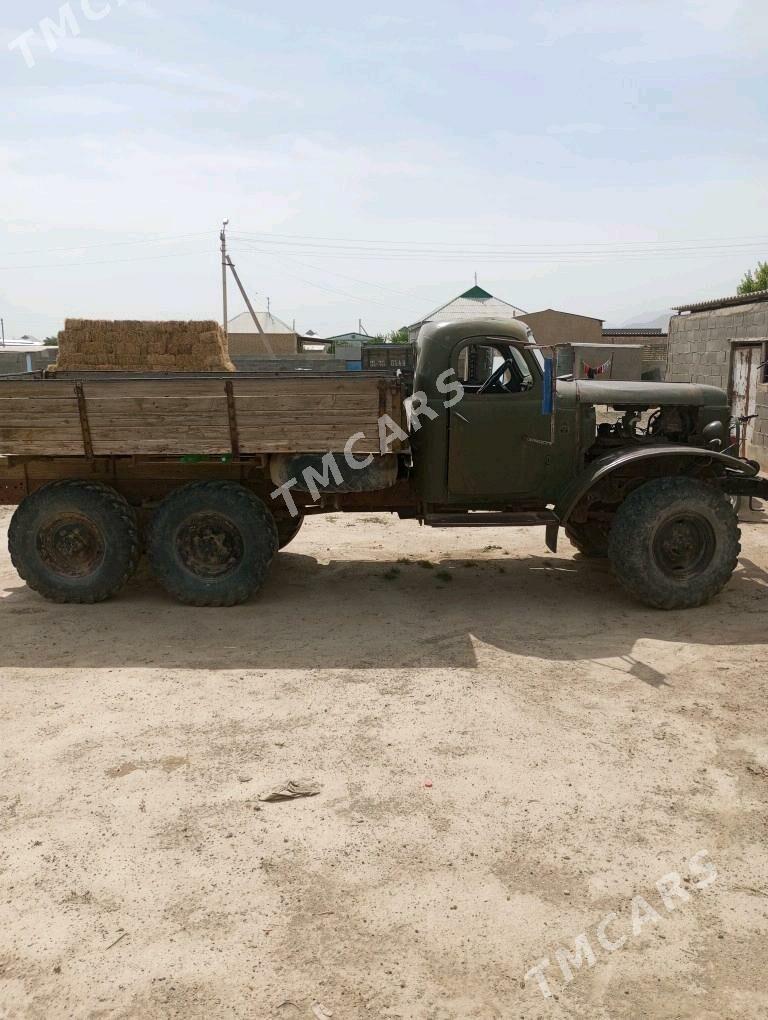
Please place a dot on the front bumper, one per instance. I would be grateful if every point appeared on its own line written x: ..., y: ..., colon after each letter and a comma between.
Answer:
x: 755, y: 487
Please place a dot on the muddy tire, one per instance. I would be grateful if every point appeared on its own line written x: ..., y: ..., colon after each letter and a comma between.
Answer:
x: 590, y: 540
x: 287, y: 529
x: 75, y: 541
x: 674, y: 543
x: 211, y: 544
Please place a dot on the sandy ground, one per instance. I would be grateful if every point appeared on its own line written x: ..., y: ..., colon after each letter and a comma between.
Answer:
x: 510, y: 751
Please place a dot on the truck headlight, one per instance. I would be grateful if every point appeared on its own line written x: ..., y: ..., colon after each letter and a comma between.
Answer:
x: 714, y: 434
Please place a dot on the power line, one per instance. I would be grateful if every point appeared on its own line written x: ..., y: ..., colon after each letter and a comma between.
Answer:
x: 353, y: 279
x: 320, y: 286
x: 576, y: 247
x: 560, y: 258
x: 108, y: 244
x: 109, y: 262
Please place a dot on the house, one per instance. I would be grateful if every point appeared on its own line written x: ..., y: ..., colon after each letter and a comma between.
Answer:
x: 269, y: 323
x: 349, y: 338
x: 275, y: 339
x: 655, y: 347
x: 475, y: 303
x: 16, y: 357
x: 724, y: 343
x: 551, y: 327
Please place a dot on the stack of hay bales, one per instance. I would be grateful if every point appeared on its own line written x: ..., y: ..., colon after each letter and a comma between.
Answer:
x: 87, y: 345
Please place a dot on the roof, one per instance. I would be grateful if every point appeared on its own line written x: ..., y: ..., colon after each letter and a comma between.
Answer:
x: 22, y: 341
x: 726, y: 302
x: 572, y: 315
x: 349, y: 337
x: 472, y: 304
x: 636, y: 331
x: 18, y: 348
x: 270, y: 323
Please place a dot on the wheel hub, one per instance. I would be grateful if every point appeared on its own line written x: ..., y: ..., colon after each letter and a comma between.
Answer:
x: 209, y: 545
x: 71, y: 545
x: 684, y: 545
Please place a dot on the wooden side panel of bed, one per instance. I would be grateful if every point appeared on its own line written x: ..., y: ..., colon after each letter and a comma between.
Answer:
x: 177, y: 415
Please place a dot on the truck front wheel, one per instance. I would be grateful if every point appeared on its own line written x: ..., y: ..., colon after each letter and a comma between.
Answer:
x: 211, y: 543
x: 674, y: 543
x: 74, y: 541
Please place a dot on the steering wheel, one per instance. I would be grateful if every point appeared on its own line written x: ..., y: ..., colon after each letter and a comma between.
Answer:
x: 494, y: 379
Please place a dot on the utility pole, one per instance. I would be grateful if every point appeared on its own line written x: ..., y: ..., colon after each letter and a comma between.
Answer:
x: 243, y: 291
x: 2, y: 329
x: 223, y: 237
x: 227, y: 263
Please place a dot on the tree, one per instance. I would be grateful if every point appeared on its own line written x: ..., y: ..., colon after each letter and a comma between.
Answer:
x: 754, y: 281
x: 397, y: 336
x: 51, y: 341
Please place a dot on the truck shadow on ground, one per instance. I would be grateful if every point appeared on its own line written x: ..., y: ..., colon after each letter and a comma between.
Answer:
x: 373, y: 615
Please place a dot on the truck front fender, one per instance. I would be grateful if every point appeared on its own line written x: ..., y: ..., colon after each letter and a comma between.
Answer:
x: 600, y: 469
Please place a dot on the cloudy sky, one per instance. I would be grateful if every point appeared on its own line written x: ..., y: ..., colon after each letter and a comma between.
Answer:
x: 600, y: 157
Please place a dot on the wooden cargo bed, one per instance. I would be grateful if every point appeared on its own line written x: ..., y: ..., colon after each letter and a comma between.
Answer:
x: 178, y: 415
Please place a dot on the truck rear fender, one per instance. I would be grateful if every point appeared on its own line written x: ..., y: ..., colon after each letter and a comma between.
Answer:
x: 600, y: 469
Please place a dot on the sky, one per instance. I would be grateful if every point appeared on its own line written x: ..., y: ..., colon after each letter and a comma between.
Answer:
x: 599, y: 157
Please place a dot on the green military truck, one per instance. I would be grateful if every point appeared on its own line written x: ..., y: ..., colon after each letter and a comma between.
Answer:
x: 211, y: 475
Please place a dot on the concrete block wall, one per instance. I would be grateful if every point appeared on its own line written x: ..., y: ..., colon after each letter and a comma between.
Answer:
x: 700, y: 352
x: 14, y: 362
x: 700, y: 343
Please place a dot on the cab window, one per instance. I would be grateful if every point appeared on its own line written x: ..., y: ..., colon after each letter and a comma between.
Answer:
x: 493, y: 368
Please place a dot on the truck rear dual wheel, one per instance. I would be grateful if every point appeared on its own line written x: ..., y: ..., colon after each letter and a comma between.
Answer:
x: 211, y: 543
x: 75, y: 541
x: 674, y: 543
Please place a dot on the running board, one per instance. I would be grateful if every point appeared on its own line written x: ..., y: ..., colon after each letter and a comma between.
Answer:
x: 525, y: 519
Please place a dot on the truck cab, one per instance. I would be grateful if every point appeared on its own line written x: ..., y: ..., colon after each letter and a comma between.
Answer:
x: 494, y: 446
x: 520, y: 437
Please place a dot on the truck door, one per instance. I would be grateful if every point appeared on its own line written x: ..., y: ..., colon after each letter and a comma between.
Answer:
x: 498, y: 435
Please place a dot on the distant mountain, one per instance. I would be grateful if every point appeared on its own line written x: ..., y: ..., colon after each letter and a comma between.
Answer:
x: 649, y: 320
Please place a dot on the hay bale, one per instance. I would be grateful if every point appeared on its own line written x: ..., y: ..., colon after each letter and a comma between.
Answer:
x: 142, y: 346
x: 163, y: 361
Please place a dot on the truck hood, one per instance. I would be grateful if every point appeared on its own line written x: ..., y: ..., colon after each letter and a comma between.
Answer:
x: 641, y: 394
